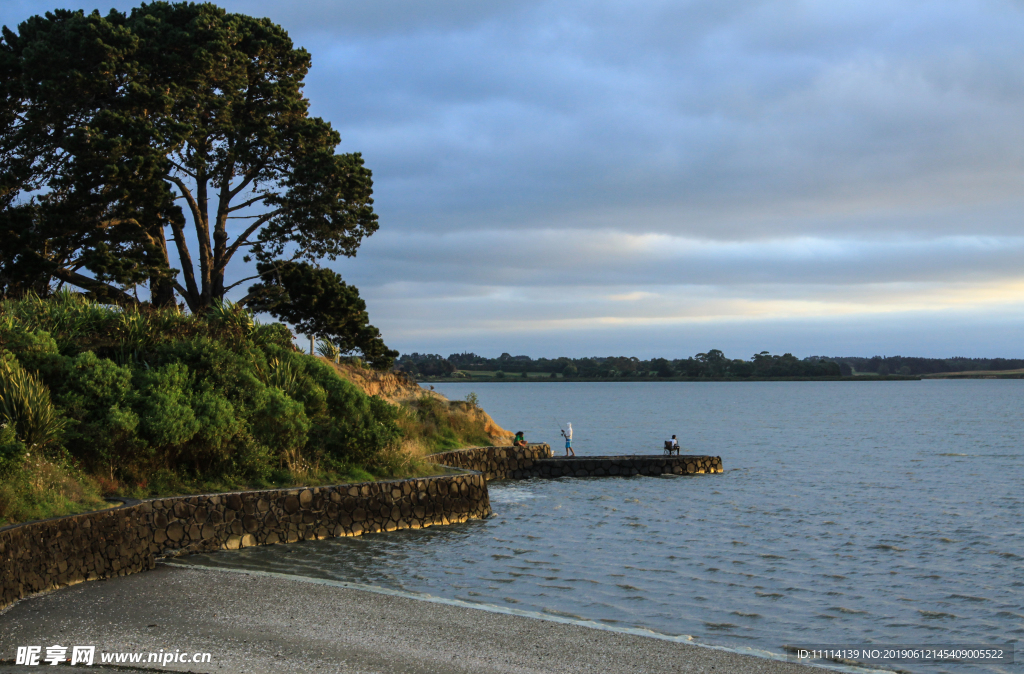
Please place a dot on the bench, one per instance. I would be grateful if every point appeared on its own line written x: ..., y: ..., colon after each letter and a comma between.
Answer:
x: 670, y: 448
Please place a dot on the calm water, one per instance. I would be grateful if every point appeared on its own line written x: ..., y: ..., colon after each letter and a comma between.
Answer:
x: 885, y: 512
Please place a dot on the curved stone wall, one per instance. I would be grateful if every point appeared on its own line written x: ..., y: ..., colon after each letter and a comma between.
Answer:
x: 496, y: 463
x: 44, y: 555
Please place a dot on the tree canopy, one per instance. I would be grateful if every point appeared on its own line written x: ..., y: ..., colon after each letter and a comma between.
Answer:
x: 177, y: 124
x: 319, y: 303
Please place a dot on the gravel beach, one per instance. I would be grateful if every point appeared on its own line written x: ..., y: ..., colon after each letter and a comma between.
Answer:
x: 254, y: 623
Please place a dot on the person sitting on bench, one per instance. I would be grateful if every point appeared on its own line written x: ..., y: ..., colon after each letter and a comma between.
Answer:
x: 672, y: 445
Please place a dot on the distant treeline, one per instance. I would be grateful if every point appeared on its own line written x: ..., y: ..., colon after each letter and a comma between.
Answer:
x: 712, y: 364
x: 903, y: 365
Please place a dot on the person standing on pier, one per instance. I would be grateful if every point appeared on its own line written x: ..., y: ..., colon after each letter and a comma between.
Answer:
x: 568, y: 440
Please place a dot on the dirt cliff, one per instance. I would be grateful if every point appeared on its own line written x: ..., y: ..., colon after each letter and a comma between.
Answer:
x: 399, y: 389
x: 394, y: 387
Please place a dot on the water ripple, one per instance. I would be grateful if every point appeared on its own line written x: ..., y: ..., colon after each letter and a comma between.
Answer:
x: 847, y: 514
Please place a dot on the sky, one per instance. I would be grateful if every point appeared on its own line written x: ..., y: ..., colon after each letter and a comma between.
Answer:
x: 663, y: 178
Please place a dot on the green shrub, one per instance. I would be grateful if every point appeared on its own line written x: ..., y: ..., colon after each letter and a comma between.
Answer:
x: 12, y: 451
x: 142, y: 402
x: 165, y: 416
x: 354, y: 428
x: 97, y: 397
x: 282, y: 424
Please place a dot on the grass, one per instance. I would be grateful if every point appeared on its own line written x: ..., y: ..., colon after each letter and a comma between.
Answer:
x: 489, y: 374
x: 431, y: 425
x: 977, y: 373
x: 43, y: 488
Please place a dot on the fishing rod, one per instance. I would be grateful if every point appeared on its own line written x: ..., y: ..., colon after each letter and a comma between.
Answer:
x: 555, y: 419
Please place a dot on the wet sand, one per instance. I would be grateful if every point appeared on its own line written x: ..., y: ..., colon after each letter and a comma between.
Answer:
x: 257, y: 624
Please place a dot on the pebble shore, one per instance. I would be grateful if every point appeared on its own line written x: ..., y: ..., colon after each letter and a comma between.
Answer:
x: 259, y: 624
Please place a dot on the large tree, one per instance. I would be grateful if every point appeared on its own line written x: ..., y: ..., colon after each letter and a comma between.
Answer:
x: 179, y: 124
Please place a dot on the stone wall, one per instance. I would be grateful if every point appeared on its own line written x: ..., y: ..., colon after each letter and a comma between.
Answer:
x: 44, y: 555
x: 605, y: 466
x: 496, y: 463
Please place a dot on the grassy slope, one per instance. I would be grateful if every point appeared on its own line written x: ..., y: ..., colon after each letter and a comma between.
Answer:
x: 67, y: 473
x: 430, y: 423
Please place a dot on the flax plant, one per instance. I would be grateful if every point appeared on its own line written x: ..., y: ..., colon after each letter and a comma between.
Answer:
x: 25, y: 405
x: 329, y: 350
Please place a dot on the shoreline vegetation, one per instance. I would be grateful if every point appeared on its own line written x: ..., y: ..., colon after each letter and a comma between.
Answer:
x: 103, y: 402
x: 710, y: 366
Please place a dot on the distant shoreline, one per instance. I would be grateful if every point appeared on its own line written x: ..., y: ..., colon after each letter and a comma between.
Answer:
x: 511, y: 379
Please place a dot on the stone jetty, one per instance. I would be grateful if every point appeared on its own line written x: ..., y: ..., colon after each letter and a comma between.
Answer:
x: 39, y: 556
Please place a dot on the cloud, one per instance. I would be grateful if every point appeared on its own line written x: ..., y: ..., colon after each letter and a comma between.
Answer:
x: 561, y: 167
x: 551, y: 258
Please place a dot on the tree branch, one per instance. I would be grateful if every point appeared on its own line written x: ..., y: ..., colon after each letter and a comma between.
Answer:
x: 276, y: 266
x: 250, y: 175
x: 192, y: 205
x: 181, y: 168
x: 92, y: 285
x: 241, y: 281
x: 248, y: 296
x: 192, y: 297
x: 181, y: 290
x: 247, y: 203
x: 249, y: 232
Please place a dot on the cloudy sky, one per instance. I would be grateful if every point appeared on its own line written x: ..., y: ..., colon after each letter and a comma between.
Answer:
x: 661, y: 178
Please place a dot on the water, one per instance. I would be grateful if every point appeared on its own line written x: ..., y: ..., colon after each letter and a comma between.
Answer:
x: 875, y: 512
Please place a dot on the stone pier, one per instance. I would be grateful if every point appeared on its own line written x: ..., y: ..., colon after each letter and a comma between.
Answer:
x: 537, y: 461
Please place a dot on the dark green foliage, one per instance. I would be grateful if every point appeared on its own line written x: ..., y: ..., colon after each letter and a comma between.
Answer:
x: 118, y: 131
x: 662, y: 367
x: 317, y: 302
x: 12, y: 450
x: 196, y: 399
x: 425, y: 364
x: 98, y: 395
x: 359, y: 435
